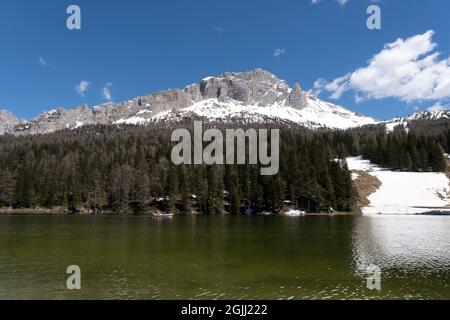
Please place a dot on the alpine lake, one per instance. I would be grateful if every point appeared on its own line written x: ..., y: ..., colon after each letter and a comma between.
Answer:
x: 225, y: 257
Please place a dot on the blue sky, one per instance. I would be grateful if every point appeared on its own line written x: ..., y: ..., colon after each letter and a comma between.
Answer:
x: 131, y: 48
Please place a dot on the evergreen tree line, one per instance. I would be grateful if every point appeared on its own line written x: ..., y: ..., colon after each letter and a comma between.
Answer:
x: 128, y: 170
x: 413, y: 150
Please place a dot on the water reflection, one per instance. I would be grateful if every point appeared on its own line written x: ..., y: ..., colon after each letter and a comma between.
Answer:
x: 408, y: 249
x: 224, y: 257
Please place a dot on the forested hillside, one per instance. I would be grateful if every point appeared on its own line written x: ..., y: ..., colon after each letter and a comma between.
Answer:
x: 127, y: 169
x: 419, y: 148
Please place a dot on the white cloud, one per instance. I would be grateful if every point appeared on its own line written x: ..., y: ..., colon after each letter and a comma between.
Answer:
x: 106, y: 92
x: 358, y: 98
x: 42, y: 62
x: 438, y: 107
x: 279, y: 52
x: 82, y: 87
x: 337, y: 87
x: 341, y: 2
x: 408, y: 69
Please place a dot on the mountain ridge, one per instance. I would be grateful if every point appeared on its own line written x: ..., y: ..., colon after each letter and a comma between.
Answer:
x: 424, y: 115
x: 251, y: 96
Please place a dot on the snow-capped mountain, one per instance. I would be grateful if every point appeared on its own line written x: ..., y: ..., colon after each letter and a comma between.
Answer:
x: 425, y: 115
x: 417, y: 116
x: 254, y: 96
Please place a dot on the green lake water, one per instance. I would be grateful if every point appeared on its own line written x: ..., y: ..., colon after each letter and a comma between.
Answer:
x: 224, y: 257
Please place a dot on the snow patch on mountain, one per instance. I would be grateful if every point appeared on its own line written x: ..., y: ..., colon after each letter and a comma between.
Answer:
x: 404, y: 192
x: 317, y: 113
x: 132, y: 120
x: 417, y: 116
x: 390, y: 126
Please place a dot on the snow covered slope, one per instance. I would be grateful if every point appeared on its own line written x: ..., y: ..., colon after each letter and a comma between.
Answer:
x: 426, y: 115
x: 404, y: 192
x: 418, y: 116
x: 316, y: 114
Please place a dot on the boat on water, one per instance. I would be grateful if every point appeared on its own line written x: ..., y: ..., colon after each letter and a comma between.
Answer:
x: 162, y: 215
x: 295, y: 213
x: 265, y: 213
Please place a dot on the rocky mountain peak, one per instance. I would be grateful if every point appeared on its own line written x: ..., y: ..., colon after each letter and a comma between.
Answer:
x: 257, y: 87
x: 297, y: 98
x: 6, y: 116
x: 7, y: 119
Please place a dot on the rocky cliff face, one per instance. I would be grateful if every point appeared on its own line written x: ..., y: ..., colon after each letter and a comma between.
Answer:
x: 55, y: 120
x: 7, y: 120
x: 255, y: 95
x: 259, y: 88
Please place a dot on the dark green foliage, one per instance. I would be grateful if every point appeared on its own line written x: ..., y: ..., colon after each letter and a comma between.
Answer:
x: 128, y: 169
x: 416, y: 150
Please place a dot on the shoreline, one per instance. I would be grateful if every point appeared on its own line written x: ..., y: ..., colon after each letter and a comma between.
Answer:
x: 355, y: 213
x: 65, y: 212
